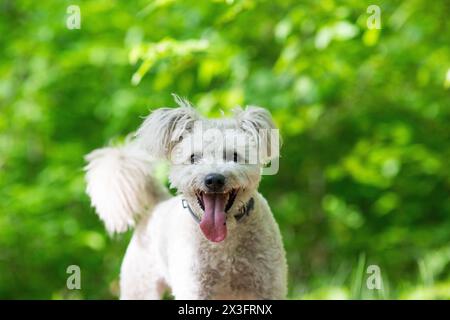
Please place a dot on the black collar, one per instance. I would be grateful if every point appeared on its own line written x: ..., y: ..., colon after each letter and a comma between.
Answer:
x: 243, y: 211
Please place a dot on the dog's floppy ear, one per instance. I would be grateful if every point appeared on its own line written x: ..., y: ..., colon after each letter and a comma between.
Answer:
x: 258, y: 123
x: 164, y: 127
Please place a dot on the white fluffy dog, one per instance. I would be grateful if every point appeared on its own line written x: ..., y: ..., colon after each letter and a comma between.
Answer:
x: 218, y: 238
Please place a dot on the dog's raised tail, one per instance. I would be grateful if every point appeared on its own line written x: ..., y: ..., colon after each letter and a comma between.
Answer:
x: 121, y: 185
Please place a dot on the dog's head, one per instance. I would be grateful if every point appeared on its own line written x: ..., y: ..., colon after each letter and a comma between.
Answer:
x: 215, y: 163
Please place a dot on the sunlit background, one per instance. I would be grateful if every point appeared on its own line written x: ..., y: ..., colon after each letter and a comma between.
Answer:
x: 365, y: 115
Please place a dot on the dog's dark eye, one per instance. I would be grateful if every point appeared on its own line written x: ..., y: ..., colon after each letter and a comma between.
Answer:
x: 235, y: 157
x: 195, y: 157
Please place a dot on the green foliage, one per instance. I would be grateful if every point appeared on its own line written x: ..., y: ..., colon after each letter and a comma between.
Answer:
x: 364, y: 115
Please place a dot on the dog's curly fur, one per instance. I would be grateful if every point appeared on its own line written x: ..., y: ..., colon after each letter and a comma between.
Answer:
x: 168, y: 249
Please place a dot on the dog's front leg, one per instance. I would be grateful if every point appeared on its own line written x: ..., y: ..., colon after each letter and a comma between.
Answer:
x: 189, y: 288
x: 139, y: 276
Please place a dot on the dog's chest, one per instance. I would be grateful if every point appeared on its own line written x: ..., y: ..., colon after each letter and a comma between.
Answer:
x: 230, y: 272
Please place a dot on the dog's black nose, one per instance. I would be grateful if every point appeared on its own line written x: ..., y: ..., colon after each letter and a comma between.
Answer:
x: 214, y: 181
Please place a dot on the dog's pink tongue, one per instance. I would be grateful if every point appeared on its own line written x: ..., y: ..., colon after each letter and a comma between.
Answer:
x: 213, y: 221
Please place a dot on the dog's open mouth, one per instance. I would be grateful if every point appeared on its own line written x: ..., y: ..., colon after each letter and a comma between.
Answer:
x: 231, y: 196
x: 215, y: 205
